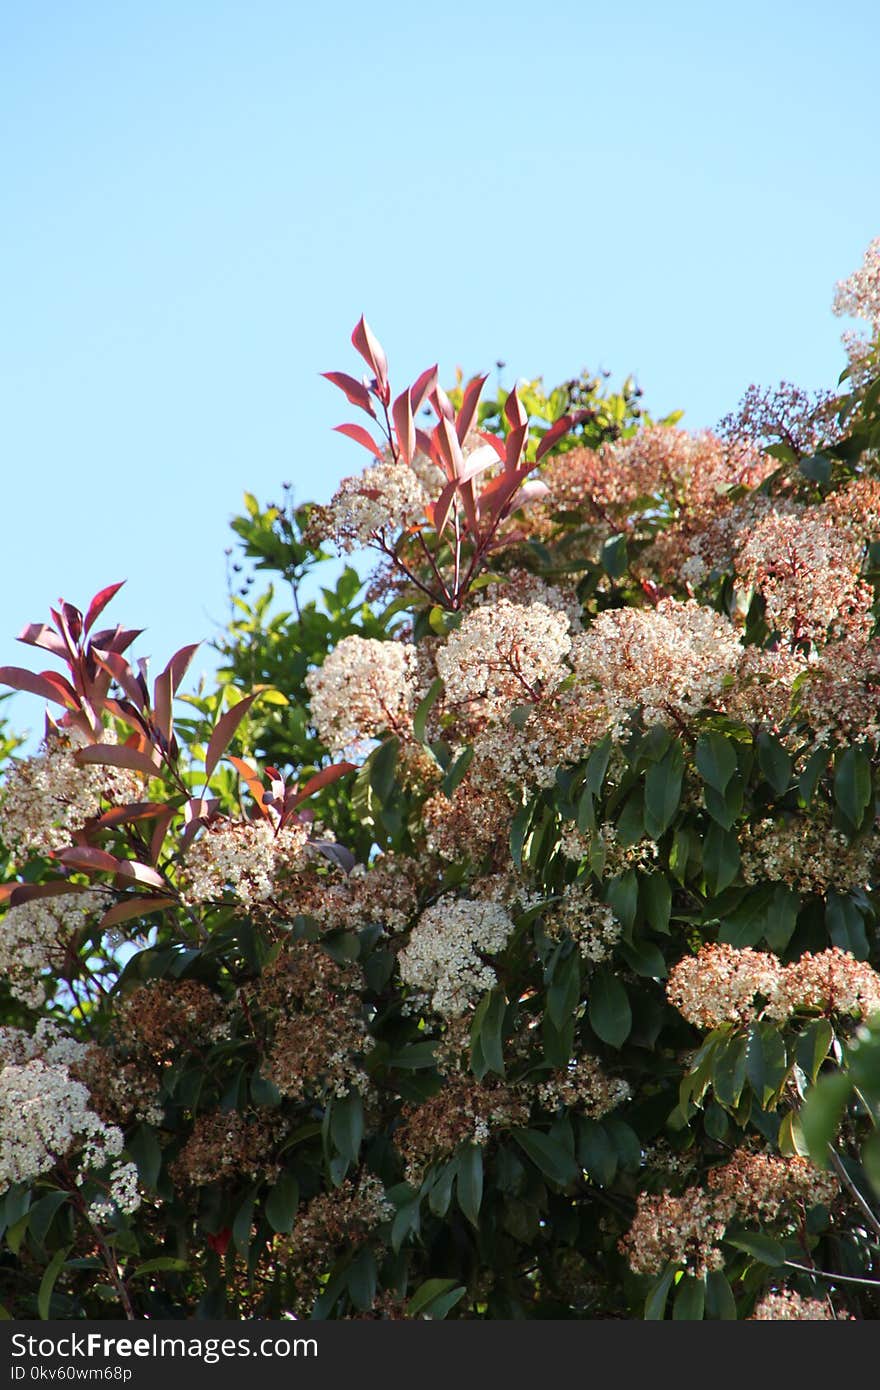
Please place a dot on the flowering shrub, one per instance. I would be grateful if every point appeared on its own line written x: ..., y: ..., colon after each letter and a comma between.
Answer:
x: 526, y: 967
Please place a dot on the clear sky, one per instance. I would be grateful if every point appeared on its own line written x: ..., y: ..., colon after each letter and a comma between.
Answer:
x: 199, y: 198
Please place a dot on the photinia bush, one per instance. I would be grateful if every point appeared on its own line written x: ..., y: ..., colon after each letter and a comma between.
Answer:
x: 521, y: 963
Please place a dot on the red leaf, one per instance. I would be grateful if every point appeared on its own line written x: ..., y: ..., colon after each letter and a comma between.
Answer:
x: 126, y: 815
x: 179, y: 664
x: 439, y: 512
x: 252, y: 780
x: 514, y: 411
x: 224, y: 730
x: 48, y: 684
x: 496, y: 443
x: 360, y: 436
x: 115, y: 639
x: 324, y: 778
x: 563, y: 426
x: 99, y: 603
x: 112, y: 755
x: 423, y: 386
x: 354, y: 390
x: 424, y: 442
x: 141, y: 873
x: 220, y: 1242
x: 371, y: 351
x: 449, y: 447
x: 160, y: 830
x: 442, y: 404
x: 477, y: 461
x: 162, y: 695
x: 404, y: 424
x: 133, y: 907
x: 26, y: 892
x: 42, y: 635
x: 134, y: 686
x: 87, y: 857
x: 514, y: 445
x: 469, y: 405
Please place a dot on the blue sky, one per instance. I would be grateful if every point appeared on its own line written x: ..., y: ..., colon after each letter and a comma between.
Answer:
x: 199, y: 199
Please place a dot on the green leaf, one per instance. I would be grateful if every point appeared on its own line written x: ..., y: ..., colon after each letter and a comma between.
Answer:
x: 716, y: 760
x: 456, y: 772
x: 406, y: 1222
x: 362, y: 1278
x: 434, y: 1298
x: 663, y: 791
x: 441, y: 1192
x: 147, y: 1154
x: 809, y: 778
x: 813, y: 1047
x: 845, y: 924
x: 553, y: 1159
x: 852, y: 784
x: 690, y: 1300
x: 609, y: 1009
x: 487, y: 1052
x: 622, y: 896
x: 720, y: 858
x: 565, y: 988
x: 281, y: 1204
x: 597, y: 766
x: 782, y: 917
x: 764, y: 1248
x: 347, y: 1125
x: 775, y: 763
x: 469, y: 1187
x: 644, y: 958
x: 822, y: 1113
x: 165, y: 1263
x: 382, y: 763
x: 655, y: 1303
x: 596, y: 1152
x: 414, y: 1057
x: 264, y: 1091
x: 42, y: 1214
x: 47, y: 1283
x: 519, y: 830
x: 729, y: 1072
x: 614, y: 556
x: 241, y: 1225
x: 420, y: 718
x: 656, y: 897
x: 720, y: 1302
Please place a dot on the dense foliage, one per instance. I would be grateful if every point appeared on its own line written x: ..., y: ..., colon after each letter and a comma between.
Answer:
x: 523, y: 961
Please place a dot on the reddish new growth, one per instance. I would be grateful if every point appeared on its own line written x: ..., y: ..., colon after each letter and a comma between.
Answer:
x: 433, y: 504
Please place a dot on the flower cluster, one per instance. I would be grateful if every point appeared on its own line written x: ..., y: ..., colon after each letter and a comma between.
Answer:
x: 670, y: 662
x: 785, y: 1305
x: 504, y: 654
x: 807, y: 570
x: 448, y: 953
x: 590, y: 923
x: 49, y: 796
x: 688, y: 1229
x: 36, y: 937
x: 384, y: 500
x: 46, y: 1116
x: 249, y: 860
x: 807, y: 853
x: 722, y: 984
x: 585, y: 1086
x: 464, y: 1111
x: 363, y: 689
x: 859, y: 297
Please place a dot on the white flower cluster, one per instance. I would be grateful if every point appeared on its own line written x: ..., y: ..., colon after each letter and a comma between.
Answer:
x: 445, y: 954
x: 123, y: 1194
x: 47, y: 1042
x: 48, y: 796
x: 786, y: 1305
x: 388, y: 497
x: 248, y: 859
x: 364, y: 688
x: 504, y: 653
x: 35, y: 937
x: 585, y: 1085
x: 723, y: 984
x: 590, y: 923
x: 45, y: 1116
x: 670, y: 661
x: 859, y: 297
